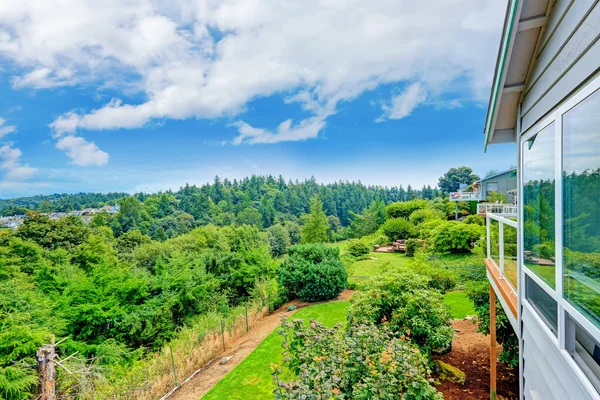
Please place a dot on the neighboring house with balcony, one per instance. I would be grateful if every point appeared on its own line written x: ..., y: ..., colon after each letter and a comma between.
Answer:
x: 502, y: 184
x: 543, y: 262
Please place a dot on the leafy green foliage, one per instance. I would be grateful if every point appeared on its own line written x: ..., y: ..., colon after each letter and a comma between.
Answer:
x: 313, y: 272
x: 366, y: 362
x: 316, y: 227
x: 358, y: 248
x: 398, y: 228
x: 53, y: 234
x: 475, y: 220
x: 451, y: 180
x: 426, y: 214
x: 404, y: 301
x: 412, y: 245
x: 405, y: 208
x: 455, y: 237
x: 279, y: 240
x: 368, y: 222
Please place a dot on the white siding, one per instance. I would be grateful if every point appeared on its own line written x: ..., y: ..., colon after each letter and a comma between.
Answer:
x: 546, y: 374
x: 569, y: 54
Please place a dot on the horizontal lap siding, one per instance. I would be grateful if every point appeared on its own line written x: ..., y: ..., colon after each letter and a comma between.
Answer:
x: 569, y: 55
x: 546, y: 373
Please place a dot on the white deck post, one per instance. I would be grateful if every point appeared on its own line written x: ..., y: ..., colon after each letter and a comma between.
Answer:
x: 501, y: 246
x: 488, y: 235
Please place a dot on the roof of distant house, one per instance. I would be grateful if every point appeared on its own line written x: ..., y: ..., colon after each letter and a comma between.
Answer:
x: 495, y: 175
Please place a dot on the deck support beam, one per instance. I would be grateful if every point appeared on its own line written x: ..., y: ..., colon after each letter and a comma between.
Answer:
x: 492, y: 343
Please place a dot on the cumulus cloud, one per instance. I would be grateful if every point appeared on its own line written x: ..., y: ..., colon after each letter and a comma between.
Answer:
x: 82, y: 152
x: 209, y: 59
x: 10, y: 163
x: 6, y: 129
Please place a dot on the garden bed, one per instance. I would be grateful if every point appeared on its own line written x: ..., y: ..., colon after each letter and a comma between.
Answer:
x: 471, y: 354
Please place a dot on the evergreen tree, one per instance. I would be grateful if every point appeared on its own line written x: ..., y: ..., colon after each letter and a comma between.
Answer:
x: 317, y: 225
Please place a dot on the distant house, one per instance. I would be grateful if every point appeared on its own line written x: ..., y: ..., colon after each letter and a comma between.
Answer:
x: 504, y: 182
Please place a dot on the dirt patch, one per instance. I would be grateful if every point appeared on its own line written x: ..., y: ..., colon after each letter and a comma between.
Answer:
x: 200, y: 384
x: 471, y: 353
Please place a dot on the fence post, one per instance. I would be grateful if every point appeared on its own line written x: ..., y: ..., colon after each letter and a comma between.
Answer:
x: 223, y: 333
x: 173, y: 366
x: 501, y: 246
x: 489, y: 235
x: 47, y: 371
x: 246, y: 317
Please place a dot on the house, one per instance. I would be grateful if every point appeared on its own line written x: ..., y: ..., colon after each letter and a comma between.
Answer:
x: 546, y: 98
x: 499, y: 183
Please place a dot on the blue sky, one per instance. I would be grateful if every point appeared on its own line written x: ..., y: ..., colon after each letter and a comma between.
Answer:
x: 141, y: 95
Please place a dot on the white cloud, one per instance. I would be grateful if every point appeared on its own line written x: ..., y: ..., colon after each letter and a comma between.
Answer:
x: 6, y: 129
x: 286, y: 131
x: 82, y: 152
x: 10, y: 163
x: 209, y: 59
x: 405, y: 103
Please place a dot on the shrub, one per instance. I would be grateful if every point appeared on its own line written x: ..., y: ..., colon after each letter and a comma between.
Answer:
x: 404, y: 300
x: 403, y: 209
x: 426, y: 228
x: 313, y: 273
x: 367, y: 362
x: 378, y: 238
x: 455, y: 237
x: 475, y: 220
x: 426, y: 214
x: 412, y: 245
x: 358, y: 248
x: 279, y: 240
x: 397, y: 228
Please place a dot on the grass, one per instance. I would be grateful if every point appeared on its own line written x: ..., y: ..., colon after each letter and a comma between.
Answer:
x: 376, y: 262
x: 460, y: 304
x: 252, y: 378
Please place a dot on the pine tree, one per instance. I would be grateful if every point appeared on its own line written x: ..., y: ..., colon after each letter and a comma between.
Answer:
x: 315, y: 229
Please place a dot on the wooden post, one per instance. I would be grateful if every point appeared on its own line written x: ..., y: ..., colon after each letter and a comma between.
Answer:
x: 492, y: 343
x: 173, y: 366
x: 223, y: 333
x: 47, y: 372
x: 247, y: 318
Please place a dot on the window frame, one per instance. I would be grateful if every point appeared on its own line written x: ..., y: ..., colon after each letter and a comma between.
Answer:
x: 564, y: 308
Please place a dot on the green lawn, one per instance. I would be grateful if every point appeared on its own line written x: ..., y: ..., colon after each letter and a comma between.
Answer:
x: 252, y: 378
x: 460, y: 304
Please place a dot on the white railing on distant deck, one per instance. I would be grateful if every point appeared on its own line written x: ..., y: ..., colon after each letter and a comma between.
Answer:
x: 465, y: 196
x: 503, y: 256
x: 497, y: 208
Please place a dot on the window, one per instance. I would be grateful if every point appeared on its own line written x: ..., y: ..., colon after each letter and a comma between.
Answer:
x: 581, y: 207
x: 538, y: 204
x: 542, y: 302
x: 491, y: 189
x: 584, y: 350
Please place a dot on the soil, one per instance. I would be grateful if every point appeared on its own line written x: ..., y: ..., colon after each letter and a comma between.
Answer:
x: 203, y: 381
x: 471, y: 354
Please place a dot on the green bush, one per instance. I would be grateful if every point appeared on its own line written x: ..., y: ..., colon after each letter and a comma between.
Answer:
x: 313, y: 272
x: 279, y: 240
x: 426, y: 228
x: 397, y: 228
x: 474, y: 219
x: 403, y: 209
x: 358, y: 248
x: 366, y: 362
x: 426, y: 214
x: 412, y: 245
x: 377, y: 238
x: 404, y: 300
x: 455, y: 237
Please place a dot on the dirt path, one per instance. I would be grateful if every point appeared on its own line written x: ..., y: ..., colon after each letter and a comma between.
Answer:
x: 471, y: 353
x: 239, y: 350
